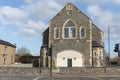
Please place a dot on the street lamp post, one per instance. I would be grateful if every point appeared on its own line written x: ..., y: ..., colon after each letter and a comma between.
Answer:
x: 109, y: 44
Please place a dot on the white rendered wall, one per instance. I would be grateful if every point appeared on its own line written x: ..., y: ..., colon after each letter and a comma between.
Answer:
x: 62, y: 58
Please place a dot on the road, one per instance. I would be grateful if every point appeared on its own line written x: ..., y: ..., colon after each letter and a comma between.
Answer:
x: 72, y: 78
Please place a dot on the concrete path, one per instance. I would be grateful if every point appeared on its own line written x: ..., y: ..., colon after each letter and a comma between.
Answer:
x: 16, y: 65
x: 59, y: 75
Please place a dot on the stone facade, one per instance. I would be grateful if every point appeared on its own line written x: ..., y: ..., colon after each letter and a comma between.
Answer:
x: 7, y: 52
x: 78, y: 50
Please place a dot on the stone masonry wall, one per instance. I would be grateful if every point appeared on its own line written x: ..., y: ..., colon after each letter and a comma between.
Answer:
x: 23, y: 70
x: 36, y: 71
x: 97, y: 35
x: 88, y: 70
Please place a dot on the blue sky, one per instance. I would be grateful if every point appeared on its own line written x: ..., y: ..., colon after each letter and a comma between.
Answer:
x: 23, y: 21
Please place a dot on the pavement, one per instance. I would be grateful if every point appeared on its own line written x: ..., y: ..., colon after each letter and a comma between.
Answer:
x: 60, y: 77
x: 16, y: 65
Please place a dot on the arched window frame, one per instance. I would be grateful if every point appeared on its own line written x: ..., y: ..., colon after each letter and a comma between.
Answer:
x: 55, y: 33
x: 82, y: 37
x: 63, y: 32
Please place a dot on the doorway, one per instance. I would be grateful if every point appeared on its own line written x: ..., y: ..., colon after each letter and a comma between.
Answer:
x: 69, y: 62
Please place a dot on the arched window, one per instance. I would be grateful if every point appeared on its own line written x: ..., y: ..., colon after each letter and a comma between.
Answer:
x: 69, y: 30
x: 82, y: 32
x: 56, y: 33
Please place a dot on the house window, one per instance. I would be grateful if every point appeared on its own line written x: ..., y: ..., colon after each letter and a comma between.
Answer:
x: 5, y: 49
x: 82, y: 32
x: 66, y: 32
x: 69, y: 30
x: 56, y: 33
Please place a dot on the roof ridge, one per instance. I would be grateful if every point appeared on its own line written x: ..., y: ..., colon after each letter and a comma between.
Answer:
x: 6, y: 43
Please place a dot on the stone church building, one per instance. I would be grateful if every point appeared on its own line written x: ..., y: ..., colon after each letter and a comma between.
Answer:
x: 72, y: 40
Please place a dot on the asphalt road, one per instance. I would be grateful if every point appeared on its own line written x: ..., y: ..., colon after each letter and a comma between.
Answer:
x: 72, y: 78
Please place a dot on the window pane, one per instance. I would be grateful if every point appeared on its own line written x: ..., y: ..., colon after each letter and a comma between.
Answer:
x: 57, y: 33
x: 72, y: 32
x: 70, y: 23
x: 66, y: 32
x: 82, y: 32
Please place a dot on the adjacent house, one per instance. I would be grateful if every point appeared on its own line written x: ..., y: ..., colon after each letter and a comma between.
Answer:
x: 7, y: 52
x: 72, y: 40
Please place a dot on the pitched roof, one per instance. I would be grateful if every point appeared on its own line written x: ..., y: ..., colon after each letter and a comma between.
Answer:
x: 7, y: 43
x: 45, y: 30
x: 96, y: 44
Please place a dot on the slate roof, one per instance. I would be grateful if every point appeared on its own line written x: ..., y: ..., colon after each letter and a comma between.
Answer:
x: 96, y: 44
x: 7, y: 43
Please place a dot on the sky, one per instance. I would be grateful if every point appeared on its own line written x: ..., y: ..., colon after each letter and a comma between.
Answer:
x: 23, y: 21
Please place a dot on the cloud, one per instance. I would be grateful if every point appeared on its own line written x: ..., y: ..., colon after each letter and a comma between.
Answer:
x: 63, y: 2
x: 105, y: 19
x: 31, y: 18
x: 95, y: 1
x: 100, y: 2
x: 27, y: 31
x: 29, y: 1
x: 31, y: 28
x: 43, y: 9
x: 116, y: 1
x: 9, y: 15
x: 13, y: 13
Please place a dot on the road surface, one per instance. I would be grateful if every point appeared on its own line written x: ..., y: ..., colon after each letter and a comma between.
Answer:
x: 59, y: 78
